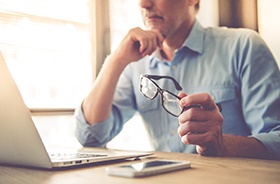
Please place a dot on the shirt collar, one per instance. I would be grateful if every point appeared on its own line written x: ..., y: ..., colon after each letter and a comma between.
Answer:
x: 195, y: 38
x: 194, y: 42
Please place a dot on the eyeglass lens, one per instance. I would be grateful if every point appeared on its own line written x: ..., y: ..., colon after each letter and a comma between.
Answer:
x: 171, y: 103
x: 169, y: 100
x: 148, y: 88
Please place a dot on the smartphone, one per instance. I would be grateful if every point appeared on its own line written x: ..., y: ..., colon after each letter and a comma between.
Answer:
x: 147, y: 168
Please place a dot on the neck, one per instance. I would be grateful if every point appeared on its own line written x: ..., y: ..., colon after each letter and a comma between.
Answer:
x: 175, y: 41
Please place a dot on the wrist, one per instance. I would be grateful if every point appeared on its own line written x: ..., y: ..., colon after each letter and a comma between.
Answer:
x: 114, y: 63
x: 241, y: 146
x: 119, y: 58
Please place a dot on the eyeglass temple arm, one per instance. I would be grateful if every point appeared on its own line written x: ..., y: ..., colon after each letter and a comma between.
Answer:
x: 157, y: 77
x: 198, y: 106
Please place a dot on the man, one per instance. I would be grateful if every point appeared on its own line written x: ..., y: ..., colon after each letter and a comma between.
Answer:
x: 232, y: 67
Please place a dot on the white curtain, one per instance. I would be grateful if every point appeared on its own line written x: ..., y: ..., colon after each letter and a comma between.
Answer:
x: 269, y: 25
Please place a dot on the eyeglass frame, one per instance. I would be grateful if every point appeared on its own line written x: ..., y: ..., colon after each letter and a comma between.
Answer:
x: 160, y: 90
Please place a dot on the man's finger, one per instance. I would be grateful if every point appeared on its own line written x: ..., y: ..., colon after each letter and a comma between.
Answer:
x: 205, y: 100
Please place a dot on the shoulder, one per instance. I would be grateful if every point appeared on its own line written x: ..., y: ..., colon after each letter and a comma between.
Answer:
x: 226, y: 31
x: 238, y: 38
x: 233, y: 34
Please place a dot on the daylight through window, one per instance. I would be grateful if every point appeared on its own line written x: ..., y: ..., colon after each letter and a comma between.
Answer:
x: 46, y: 44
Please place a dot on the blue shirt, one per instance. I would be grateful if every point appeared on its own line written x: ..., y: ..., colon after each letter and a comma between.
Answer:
x: 233, y: 65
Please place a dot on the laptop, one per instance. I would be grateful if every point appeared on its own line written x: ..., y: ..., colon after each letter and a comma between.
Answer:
x: 21, y: 144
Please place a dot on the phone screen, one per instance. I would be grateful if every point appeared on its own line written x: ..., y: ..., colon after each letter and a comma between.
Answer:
x: 147, y: 168
x: 142, y: 166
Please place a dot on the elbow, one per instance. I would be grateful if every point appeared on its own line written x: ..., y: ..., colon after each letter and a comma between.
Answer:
x: 86, y: 140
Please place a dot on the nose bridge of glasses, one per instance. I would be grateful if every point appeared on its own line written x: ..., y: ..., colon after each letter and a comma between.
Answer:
x: 171, y: 97
x: 159, y: 89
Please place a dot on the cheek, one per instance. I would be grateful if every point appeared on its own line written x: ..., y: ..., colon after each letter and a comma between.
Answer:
x: 171, y: 24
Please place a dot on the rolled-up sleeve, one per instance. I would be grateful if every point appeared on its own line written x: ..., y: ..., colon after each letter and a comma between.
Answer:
x: 272, y: 143
x: 261, y: 94
x: 92, y: 135
x: 122, y: 110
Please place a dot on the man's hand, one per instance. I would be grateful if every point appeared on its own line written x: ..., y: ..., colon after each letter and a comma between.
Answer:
x: 137, y: 44
x: 201, y: 126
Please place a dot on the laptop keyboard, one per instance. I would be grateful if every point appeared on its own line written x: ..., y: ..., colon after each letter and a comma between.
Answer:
x: 63, y: 156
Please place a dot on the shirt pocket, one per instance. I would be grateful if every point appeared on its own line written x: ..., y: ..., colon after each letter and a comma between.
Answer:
x: 146, y: 105
x: 221, y: 93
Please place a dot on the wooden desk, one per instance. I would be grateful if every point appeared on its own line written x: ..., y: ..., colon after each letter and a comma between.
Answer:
x: 205, y: 170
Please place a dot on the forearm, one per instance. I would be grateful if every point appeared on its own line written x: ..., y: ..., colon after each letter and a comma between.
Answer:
x: 135, y: 45
x: 97, y: 105
x: 240, y: 146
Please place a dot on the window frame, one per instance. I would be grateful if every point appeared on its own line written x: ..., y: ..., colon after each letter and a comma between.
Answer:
x: 100, y: 46
x: 99, y: 41
x: 100, y: 33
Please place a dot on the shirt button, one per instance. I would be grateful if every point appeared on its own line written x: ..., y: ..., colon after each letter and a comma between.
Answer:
x: 174, y: 132
x: 174, y: 67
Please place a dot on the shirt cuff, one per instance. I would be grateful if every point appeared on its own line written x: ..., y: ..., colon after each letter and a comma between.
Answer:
x: 271, y: 142
x: 92, y: 135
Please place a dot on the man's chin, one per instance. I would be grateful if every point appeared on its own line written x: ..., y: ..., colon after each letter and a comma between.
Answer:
x: 156, y: 28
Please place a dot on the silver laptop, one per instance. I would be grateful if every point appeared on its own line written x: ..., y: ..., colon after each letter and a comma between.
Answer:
x: 21, y: 144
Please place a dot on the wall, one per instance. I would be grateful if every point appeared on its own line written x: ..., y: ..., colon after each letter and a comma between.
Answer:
x: 269, y: 25
x: 208, y: 14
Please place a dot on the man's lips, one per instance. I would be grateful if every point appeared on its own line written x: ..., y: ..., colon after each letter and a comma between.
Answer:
x: 153, y: 17
x: 150, y: 15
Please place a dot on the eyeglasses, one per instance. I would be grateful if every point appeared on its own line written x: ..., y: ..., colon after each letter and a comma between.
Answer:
x: 170, y: 101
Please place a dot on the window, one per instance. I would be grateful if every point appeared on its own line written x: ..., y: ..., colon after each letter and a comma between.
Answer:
x: 46, y: 44
x: 124, y: 15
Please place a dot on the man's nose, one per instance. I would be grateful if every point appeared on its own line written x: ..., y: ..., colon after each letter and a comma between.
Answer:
x: 146, y: 4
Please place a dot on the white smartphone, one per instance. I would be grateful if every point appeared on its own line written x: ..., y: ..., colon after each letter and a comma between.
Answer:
x: 147, y: 168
